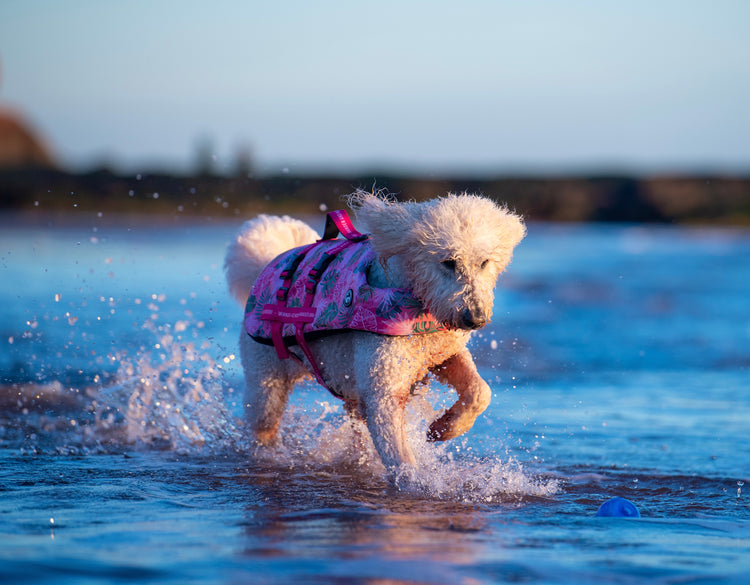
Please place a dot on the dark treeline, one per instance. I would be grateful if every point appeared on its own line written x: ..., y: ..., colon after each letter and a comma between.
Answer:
x: 706, y: 199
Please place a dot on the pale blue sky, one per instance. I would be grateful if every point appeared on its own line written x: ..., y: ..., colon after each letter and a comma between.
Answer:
x: 471, y: 85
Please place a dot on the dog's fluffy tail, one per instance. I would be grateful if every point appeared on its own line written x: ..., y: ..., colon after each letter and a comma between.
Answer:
x: 258, y: 242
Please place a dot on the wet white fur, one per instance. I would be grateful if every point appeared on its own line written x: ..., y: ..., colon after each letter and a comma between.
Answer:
x: 376, y: 373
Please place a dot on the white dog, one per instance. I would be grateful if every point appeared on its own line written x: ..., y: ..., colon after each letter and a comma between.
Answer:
x: 448, y: 252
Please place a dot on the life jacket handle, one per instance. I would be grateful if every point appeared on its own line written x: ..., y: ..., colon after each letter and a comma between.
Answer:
x: 338, y: 222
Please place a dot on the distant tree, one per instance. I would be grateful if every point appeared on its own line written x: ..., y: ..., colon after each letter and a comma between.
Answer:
x: 243, y: 162
x: 205, y: 158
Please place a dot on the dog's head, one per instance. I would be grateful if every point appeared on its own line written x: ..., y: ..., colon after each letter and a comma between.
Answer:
x: 451, y: 250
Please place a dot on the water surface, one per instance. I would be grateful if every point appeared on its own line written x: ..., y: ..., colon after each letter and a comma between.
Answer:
x: 619, y: 358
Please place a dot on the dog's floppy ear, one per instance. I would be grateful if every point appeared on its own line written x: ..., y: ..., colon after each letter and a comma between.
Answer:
x: 512, y: 228
x: 385, y: 219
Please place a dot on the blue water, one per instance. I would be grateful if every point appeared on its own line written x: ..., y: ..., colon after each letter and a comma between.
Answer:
x: 619, y: 358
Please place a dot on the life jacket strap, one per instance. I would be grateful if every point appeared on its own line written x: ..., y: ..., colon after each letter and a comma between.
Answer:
x: 337, y: 222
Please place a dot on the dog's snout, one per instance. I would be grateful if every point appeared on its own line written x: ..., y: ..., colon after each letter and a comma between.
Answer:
x: 473, y: 319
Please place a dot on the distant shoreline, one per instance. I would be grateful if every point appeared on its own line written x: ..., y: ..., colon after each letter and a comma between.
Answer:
x: 712, y: 200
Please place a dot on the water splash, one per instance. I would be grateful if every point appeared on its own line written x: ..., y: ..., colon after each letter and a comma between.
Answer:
x: 171, y: 399
x: 172, y: 394
x: 452, y: 471
x: 320, y: 437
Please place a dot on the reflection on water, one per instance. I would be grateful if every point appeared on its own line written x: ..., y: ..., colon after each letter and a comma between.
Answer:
x: 358, y: 519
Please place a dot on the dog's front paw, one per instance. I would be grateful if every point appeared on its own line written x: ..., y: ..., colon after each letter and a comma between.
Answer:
x: 435, y: 433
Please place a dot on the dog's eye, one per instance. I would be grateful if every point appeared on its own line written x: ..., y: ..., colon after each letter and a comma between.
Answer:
x: 449, y: 264
x: 484, y: 264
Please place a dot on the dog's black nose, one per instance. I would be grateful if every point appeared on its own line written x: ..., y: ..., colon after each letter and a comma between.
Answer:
x: 473, y: 319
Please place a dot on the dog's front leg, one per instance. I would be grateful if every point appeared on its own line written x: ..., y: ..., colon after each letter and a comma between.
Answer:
x: 474, y: 396
x: 383, y: 410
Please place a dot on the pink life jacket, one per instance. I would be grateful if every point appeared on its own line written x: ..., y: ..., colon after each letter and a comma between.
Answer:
x: 322, y: 289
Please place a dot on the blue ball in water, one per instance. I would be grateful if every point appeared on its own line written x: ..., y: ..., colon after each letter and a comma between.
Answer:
x: 618, y: 508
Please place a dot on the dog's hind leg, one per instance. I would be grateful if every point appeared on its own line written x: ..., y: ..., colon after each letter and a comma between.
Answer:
x: 353, y: 410
x: 474, y: 396
x: 355, y: 416
x: 265, y: 402
x: 268, y: 383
